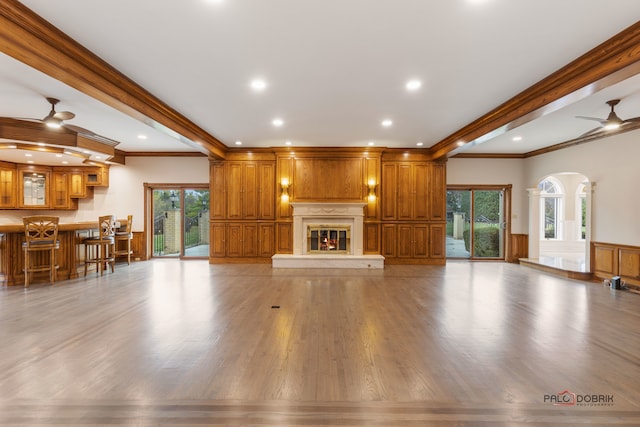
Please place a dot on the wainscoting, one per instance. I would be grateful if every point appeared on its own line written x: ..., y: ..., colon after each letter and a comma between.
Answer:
x: 610, y: 260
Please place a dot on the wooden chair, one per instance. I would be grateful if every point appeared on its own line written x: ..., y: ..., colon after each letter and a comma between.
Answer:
x: 41, y: 235
x: 100, y: 249
x: 124, y: 234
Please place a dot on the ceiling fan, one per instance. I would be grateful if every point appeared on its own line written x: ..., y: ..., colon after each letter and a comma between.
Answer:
x: 612, y: 122
x: 55, y: 119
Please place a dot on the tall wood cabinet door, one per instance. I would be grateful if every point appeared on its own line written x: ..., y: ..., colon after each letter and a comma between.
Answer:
x: 249, y: 191
x: 405, y: 241
x: 420, y: 236
x: 437, y: 241
x: 421, y: 186
x: 438, y: 192
x: 404, y: 198
x: 77, y: 188
x: 266, y: 191
x: 234, y: 190
x: 388, y: 193
x: 266, y: 239
x: 217, y: 192
x: 249, y: 240
x: 234, y: 240
x: 60, y: 190
x: 8, y: 185
x: 218, y: 239
x: 389, y: 240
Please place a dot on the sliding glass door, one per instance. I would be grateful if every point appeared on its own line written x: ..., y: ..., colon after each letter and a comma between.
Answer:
x: 180, y: 218
x: 476, y: 223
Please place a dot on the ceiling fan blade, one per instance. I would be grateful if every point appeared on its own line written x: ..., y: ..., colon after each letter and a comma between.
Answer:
x: 633, y: 119
x: 64, y: 115
x: 591, y: 132
x: 601, y: 121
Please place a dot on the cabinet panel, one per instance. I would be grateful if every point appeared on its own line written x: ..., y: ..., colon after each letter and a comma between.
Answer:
x: 405, y: 242
x: 437, y: 192
x: 218, y: 239
x: 420, y: 240
x: 234, y: 190
x: 266, y: 240
x: 249, y: 240
x: 77, y: 187
x: 234, y: 240
x: 267, y: 193
x: 404, y: 193
x: 389, y: 240
x: 371, y: 239
x: 629, y: 263
x: 34, y: 187
x: 60, y: 183
x: 437, y: 242
x: 249, y: 191
x: 388, y: 193
x: 420, y: 183
x: 217, y: 191
x: 284, y: 238
x: 8, y: 185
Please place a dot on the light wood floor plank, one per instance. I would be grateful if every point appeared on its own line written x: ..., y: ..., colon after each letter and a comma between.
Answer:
x: 167, y: 342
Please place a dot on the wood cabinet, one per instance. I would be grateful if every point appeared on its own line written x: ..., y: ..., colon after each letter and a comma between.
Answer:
x: 77, y: 187
x: 60, y: 185
x: 413, y: 191
x: 413, y: 241
x: 250, y: 190
x: 242, y: 240
x: 217, y: 191
x: 8, y: 185
x: 34, y: 187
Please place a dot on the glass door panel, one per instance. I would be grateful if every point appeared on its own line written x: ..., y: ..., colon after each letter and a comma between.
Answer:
x: 458, y: 225
x: 166, y: 223
x: 488, y: 224
x: 196, y: 223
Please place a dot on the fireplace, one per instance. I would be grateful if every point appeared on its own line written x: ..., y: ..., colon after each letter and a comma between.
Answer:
x: 341, y: 224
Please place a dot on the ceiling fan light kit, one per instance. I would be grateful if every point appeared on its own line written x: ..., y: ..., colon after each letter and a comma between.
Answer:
x: 612, y: 122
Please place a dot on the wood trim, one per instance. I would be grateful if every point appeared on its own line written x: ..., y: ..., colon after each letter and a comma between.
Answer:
x: 32, y: 40
x: 610, y: 62
x: 161, y: 154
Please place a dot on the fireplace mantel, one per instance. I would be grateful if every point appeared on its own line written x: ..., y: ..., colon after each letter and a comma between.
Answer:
x: 305, y: 213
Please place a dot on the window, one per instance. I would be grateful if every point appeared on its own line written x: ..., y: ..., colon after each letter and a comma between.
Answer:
x: 550, y: 208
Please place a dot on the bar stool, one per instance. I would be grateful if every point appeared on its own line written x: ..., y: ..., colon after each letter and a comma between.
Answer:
x: 125, y: 235
x: 41, y: 235
x: 103, y: 245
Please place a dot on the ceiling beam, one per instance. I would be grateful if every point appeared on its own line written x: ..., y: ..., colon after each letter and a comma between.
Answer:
x: 609, y: 63
x: 32, y: 40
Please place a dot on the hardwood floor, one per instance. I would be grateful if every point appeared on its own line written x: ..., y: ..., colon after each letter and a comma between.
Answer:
x: 186, y: 343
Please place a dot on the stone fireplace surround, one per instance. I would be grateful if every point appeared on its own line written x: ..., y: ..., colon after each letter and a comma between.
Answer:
x: 305, y: 214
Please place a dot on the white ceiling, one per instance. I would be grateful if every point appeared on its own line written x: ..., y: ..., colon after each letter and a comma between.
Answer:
x: 334, y: 68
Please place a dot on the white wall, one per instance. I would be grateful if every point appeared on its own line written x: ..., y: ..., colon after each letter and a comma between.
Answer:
x: 125, y: 194
x: 613, y: 166
x: 495, y: 172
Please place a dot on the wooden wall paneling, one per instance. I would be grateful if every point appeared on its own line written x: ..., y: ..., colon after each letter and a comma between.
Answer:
x: 437, y: 241
x: 138, y: 246
x: 388, y: 191
x: 234, y: 188
x: 218, y: 237
x: 389, y: 240
x: 404, y: 194
x: 284, y: 238
x: 605, y: 260
x: 519, y: 247
x: 421, y: 184
x: 405, y: 241
x: 328, y: 179
x: 8, y: 185
x: 249, y: 240
x: 420, y: 240
x: 371, y: 243
x: 437, y: 192
x: 217, y: 191
x: 266, y: 189
x: 234, y: 240
x: 629, y: 264
x: 266, y: 239
x: 249, y: 190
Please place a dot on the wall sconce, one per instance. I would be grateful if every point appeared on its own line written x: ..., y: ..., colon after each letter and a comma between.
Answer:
x: 371, y: 185
x: 284, y: 184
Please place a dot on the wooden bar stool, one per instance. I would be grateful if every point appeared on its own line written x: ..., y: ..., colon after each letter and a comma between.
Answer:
x: 125, y: 235
x: 103, y: 245
x: 41, y: 235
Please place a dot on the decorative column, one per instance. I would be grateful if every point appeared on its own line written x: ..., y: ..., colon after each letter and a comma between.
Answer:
x: 534, y: 223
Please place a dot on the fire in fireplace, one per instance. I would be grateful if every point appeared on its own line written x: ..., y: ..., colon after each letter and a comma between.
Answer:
x: 328, y: 239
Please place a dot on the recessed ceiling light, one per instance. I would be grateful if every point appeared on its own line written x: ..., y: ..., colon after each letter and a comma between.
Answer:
x: 287, y: 143
x: 141, y: 136
x: 28, y: 155
x: 371, y: 143
x: 258, y: 84
x: 516, y: 138
x: 277, y: 122
x: 238, y: 142
x: 460, y: 143
x: 419, y: 144
x: 30, y: 161
x: 387, y: 122
x: 64, y: 162
x: 413, y: 85
x: 41, y: 144
x: 58, y: 155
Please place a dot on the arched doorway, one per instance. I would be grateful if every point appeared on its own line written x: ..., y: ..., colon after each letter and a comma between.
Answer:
x: 559, y: 221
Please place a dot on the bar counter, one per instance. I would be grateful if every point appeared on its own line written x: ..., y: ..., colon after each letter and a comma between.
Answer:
x: 70, y: 256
